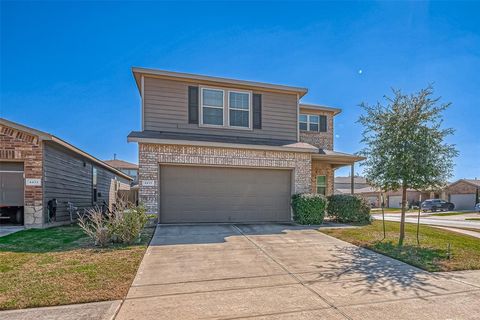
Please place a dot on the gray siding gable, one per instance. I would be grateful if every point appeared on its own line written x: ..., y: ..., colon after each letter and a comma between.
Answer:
x: 68, y: 177
x: 165, y: 104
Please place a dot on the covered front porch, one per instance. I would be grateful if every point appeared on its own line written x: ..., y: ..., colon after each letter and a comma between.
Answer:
x: 324, y: 164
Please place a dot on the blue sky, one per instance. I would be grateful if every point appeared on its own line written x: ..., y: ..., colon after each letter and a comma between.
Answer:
x: 66, y: 67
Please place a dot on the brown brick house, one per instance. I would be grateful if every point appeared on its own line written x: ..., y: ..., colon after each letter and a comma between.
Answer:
x: 463, y: 193
x: 224, y: 150
x: 36, y: 167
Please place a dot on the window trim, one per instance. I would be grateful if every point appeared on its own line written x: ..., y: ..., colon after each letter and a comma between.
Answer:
x: 200, y: 122
x: 250, y: 109
x: 308, y: 115
x: 226, y: 108
x: 325, y: 186
x: 94, y: 185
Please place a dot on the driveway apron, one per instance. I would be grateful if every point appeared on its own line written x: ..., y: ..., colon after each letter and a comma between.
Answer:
x: 274, y: 271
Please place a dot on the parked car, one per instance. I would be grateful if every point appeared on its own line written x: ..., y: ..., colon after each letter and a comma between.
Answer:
x: 477, y: 207
x: 437, y: 204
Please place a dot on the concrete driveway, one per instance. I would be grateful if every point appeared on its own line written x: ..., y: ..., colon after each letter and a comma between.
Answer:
x: 286, y: 272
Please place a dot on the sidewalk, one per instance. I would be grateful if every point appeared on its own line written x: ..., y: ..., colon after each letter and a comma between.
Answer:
x: 105, y: 310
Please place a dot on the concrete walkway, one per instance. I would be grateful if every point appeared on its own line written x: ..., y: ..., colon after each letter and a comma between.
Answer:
x: 434, y: 221
x: 286, y: 272
x: 6, y: 230
x: 462, y: 231
x: 86, y: 311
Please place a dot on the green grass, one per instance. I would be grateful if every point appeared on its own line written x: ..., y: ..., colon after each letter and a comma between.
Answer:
x: 452, y: 213
x: 431, y: 255
x: 473, y: 219
x: 45, y: 267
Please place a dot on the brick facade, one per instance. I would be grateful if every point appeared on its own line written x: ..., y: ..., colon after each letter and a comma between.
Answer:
x: 151, y: 155
x: 461, y: 187
x: 322, y: 140
x: 23, y: 147
x: 320, y: 168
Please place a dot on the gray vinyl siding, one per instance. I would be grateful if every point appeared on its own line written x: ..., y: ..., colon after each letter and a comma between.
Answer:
x: 66, y: 178
x: 166, y: 109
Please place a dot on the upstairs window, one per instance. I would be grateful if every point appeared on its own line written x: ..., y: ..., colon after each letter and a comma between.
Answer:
x: 312, y: 122
x: 212, y: 107
x: 239, y: 109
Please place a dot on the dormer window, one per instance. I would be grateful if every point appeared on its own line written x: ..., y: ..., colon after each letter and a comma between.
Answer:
x: 312, y: 122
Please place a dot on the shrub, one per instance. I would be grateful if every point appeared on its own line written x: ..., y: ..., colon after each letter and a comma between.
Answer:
x: 348, y: 208
x: 95, y: 225
x: 123, y: 224
x: 308, y: 208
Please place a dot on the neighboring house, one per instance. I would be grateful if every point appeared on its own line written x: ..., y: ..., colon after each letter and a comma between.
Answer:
x: 36, y: 167
x: 464, y: 193
x: 130, y: 169
x: 345, y: 183
x: 392, y: 199
x: 222, y: 150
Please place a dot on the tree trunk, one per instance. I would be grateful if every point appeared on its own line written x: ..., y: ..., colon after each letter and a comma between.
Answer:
x: 402, y: 219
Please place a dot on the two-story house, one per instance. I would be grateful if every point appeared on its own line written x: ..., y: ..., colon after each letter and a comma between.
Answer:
x: 223, y: 150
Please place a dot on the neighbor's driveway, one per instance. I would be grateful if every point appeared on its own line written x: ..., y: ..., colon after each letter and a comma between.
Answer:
x: 285, y: 272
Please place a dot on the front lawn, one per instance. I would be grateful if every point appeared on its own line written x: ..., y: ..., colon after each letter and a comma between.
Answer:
x: 431, y: 255
x: 473, y: 219
x: 46, y: 267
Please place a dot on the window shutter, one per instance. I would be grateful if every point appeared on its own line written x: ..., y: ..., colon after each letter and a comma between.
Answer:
x: 257, y: 111
x: 193, y: 105
x: 323, y: 123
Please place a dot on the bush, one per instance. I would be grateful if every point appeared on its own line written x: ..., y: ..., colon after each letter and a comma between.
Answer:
x: 123, y: 224
x: 308, y: 208
x: 348, y: 208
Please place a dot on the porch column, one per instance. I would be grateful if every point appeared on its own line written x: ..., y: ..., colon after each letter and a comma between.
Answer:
x: 352, y: 179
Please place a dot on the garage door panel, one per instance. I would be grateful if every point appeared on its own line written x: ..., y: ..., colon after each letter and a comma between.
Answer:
x: 211, y: 194
x: 463, y: 201
x: 11, y: 184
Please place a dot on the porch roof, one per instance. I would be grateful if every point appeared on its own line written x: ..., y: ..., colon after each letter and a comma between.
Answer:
x: 336, y: 159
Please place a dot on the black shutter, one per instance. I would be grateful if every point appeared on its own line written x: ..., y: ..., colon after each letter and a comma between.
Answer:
x: 323, y: 123
x: 257, y: 111
x: 193, y: 105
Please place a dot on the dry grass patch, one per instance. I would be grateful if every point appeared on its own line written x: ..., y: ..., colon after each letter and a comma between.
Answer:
x: 60, y: 266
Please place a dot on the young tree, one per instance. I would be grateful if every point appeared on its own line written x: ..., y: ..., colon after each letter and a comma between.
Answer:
x: 405, y: 144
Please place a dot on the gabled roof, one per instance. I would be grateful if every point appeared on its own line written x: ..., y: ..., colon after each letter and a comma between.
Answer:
x: 320, y: 108
x: 473, y: 182
x: 120, y: 164
x: 357, y: 179
x: 50, y: 137
x: 138, y: 72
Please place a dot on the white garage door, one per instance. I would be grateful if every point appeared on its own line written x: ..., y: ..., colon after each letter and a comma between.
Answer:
x: 463, y: 201
x: 395, y: 201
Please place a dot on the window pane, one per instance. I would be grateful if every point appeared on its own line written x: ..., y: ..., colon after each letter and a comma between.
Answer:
x: 212, y: 98
x: 313, y: 127
x: 321, y: 190
x: 303, y: 118
x: 239, y: 118
x: 212, y: 116
x: 303, y: 126
x: 239, y: 100
x: 321, y: 181
x: 314, y: 119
